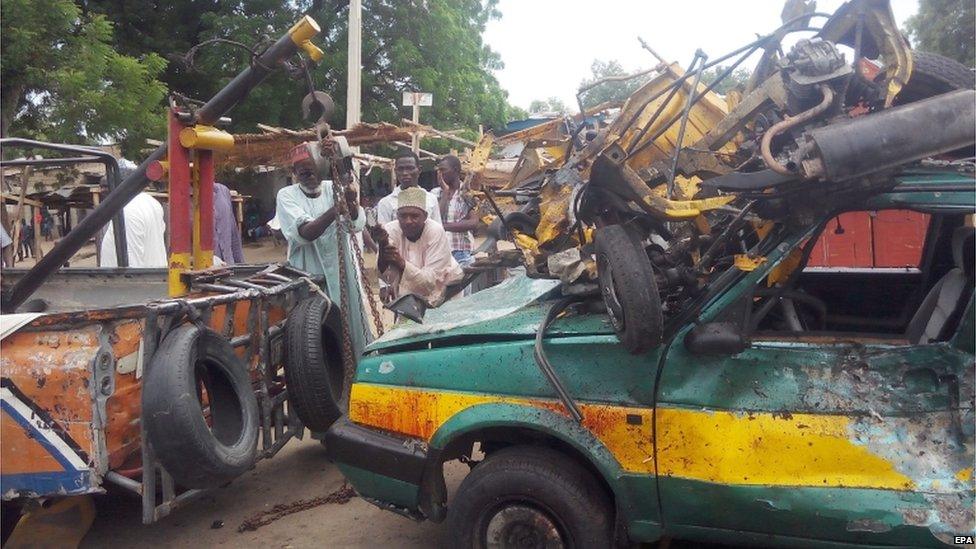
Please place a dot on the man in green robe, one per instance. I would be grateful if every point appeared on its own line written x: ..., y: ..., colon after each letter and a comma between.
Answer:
x: 308, y: 214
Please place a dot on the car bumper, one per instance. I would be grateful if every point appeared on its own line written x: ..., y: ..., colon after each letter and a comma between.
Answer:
x: 385, y: 469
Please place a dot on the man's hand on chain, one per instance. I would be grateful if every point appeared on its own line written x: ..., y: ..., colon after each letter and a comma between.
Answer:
x: 351, y: 192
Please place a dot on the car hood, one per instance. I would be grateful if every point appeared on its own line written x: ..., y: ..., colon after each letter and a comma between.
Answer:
x: 511, y: 310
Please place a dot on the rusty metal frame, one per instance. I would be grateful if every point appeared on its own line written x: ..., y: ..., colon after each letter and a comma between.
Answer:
x: 276, y: 285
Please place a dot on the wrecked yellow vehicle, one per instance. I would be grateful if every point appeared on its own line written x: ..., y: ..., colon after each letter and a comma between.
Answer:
x: 681, y: 168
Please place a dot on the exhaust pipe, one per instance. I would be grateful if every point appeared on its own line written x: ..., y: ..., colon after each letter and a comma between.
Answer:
x: 889, y: 138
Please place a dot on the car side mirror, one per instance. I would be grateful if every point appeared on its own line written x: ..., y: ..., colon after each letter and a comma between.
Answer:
x: 410, y: 306
x: 716, y: 338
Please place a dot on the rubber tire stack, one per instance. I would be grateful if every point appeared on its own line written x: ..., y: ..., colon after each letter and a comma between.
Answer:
x: 626, y: 277
x: 195, y: 454
x: 538, y: 477
x: 314, y: 370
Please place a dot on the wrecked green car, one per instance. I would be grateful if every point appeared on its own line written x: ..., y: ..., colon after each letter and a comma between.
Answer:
x: 794, y: 401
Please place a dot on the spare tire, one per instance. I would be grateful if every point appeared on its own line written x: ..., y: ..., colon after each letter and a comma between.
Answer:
x: 934, y: 74
x: 199, y: 408
x: 314, y: 370
x: 629, y: 289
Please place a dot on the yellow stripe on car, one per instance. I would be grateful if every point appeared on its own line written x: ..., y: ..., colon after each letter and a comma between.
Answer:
x: 724, y: 447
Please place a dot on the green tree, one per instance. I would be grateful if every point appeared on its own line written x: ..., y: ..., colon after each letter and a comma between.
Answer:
x: 614, y: 90
x: 946, y: 27
x: 420, y: 45
x: 517, y: 113
x: 62, y: 80
x: 736, y: 79
x: 551, y: 105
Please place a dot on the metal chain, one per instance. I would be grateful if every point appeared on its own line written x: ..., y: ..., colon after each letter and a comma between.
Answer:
x: 344, y: 308
x: 360, y: 264
x: 377, y: 319
x: 339, y: 497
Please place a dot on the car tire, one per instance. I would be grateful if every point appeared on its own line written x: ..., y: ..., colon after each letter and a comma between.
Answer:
x: 520, y: 221
x: 934, y: 74
x: 192, y: 369
x: 314, y: 370
x: 629, y: 289
x: 532, y: 494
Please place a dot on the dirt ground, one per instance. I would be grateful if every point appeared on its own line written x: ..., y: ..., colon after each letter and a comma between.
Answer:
x: 300, y: 471
x: 263, y: 251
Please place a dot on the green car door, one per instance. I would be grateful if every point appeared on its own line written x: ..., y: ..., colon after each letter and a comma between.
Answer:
x: 840, y: 437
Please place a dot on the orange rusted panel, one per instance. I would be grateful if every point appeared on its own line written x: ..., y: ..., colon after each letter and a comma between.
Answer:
x: 124, y: 407
x: 53, y: 370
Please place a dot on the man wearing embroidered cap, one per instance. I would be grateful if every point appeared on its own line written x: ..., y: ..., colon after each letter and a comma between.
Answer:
x: 307, y: 213
x: 416, y: 255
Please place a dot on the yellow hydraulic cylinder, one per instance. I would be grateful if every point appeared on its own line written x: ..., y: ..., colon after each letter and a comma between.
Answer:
x: 301, y: 34
x: 206, y: 138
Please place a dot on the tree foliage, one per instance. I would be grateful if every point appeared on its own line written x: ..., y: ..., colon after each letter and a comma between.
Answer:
x: 416, y: 45
x: 620, y: 90
x: 946, y: 27
x: 736, y: 79
x: 615, y: 90
x: 62, y: 80
x: 551, y: 105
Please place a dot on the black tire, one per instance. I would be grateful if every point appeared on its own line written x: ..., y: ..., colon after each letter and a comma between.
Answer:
x: 934, y: 74
x: 520, y: 221
x: 189, y: 361
x: 524, y: 492
x: 629, y: 289
x: 314, y: 369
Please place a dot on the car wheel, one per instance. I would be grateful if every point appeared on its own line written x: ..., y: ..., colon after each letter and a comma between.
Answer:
x: 629, y: 289
x: 934, y: 74
x: 528, y: 496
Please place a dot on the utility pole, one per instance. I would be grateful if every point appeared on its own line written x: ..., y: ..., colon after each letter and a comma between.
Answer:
x: 355, y: 62
x: 415, y: 137
x: 416, y: 100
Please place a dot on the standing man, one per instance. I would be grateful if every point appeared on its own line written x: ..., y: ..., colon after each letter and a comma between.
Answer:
x: 227, y: 235
x: 457, y: 210
x: 145, y: 228
x: 307, y: 212
x: 406, y: 166
x: 415, y: 257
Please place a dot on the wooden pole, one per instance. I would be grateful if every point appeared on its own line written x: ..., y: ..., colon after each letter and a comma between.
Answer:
x: 415, y: 137
x: 19, y: 212
x: 420, y: 152
x: 444, y: 134
x: 38, y: 252
x: 239, y: 213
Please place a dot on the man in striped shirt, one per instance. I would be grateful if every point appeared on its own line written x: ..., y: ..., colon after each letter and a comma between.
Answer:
x: 457, y: 210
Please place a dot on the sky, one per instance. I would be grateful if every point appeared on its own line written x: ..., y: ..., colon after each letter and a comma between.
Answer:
x: 547, y: 46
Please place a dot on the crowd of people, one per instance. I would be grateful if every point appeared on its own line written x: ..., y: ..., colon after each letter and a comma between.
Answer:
x: 423, y: 239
